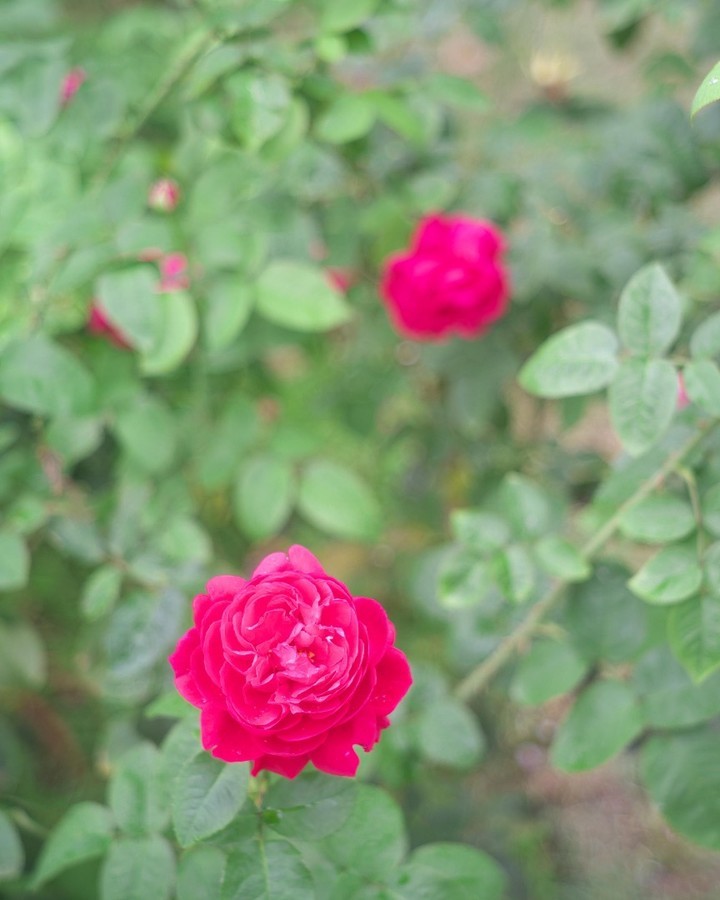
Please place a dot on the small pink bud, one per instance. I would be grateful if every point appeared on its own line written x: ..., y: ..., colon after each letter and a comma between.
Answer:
x: 173, y: 273
x: 341, y: 279
x: 164, y: 195
x: 71, y: 84
x: 682, y: 396
x: 98, y: 323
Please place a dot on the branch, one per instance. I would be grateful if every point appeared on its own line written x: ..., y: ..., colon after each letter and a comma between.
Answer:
x: 480, y: 676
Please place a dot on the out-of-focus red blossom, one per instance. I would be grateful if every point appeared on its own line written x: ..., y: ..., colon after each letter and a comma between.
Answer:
x: 452, y: 280
x: 71, y: 84
x: 98, y: 323
x: 288, y: 668
x: 342, y: 279
x: 164, y: 195
x: 682, y: 395
x: 174, y: 273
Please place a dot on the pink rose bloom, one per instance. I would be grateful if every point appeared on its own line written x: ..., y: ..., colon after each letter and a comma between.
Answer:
x: 98, y: 323
x: 451, y: 281
x: 164, y: 195
x: 71, y: 84
x: 288, y: 668
x: 173, y: 273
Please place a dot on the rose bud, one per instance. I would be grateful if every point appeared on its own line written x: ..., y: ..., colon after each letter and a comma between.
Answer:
x: 289, y: 668
x: 98, y: 323
x: 173, y: 273
x: 164, y: 195
x: 71, y: 84
x: 341, y: 279
x: 451, y: 281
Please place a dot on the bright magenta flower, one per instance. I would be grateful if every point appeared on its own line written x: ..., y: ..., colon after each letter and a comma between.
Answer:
x: 98, y: 323
x: 288, y: 668
x: 451, y: 281
x: 71, y: 84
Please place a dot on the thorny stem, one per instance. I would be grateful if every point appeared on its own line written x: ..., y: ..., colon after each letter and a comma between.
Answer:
x: 480, y: 676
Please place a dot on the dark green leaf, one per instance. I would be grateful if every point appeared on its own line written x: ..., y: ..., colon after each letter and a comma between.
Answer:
x: 12, y: 854
x: 449, y: 734
x: 23, y: 661
x: 14, y: 561
x: 207, y: 796
x: 138, y: 869
x: 668, y: 696
x: 450, y: 872
x: 200, y: 874
x: 83, y: 833
x: 310, y: 807
x: 138, y: 793
x: 548, y: 670
x: 514, y: 573
x: 264, y: 496
x: 100, y: 592
x: 260, y: 870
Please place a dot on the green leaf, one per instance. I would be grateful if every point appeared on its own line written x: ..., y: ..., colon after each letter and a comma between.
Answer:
x: 708, y: 92
x: 478, y: 530
x: 694, y: 635
x: 548, y: 670
x: 450, y: 872
x: 514, y: 573
x: 14, y: 561
x: 526, y: 505
x: 561, y: 559
x: 207, y: 796
x: 229, y: 303
x: 683, y: 778
x: 463, y: 580
x: 669, y: 698
x: 711, y: 566
x: 39, y: 376
x: 670, y: 576
x: 170, y: 705
x: 200, y: 874
x: 650, y: 312
x: 100, y: 592
x: 411, y: 120
x: 603, y: 720
x: 456, y: 91
x: 138, y: 793
x: 309, y: 807
x: 138, y: 869
x: 177, y: 336
x: 299, y: 296
x: 264, y: 496
x: 131, y: 302
x: 705, y: 341
x: 449, y: 734
x: 83, y: 833
x: 267, y: 871
x: 580, y: 359
x: 260, y: 105
x: 710, y: 505
x: 12, y: 854
x: 372, y: 841
x: 336, y: 500
x: 347, y: 118
x: 23, y: 660
x: 340, y: 17
x: 702, y: 383
x: 229, y: 438
x: 148, y: 435
x: 642, y: 398
x: 658, y: 519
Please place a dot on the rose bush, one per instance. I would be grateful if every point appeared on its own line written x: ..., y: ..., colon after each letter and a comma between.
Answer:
x: 289, y: 668
x: 451, y: 281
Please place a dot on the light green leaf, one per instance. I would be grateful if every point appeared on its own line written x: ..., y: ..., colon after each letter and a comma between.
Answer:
x: 561, y: 559
x: 643, y: 398
x: 23, y: 660
x: 340, y: 17
x: 177, y: 335
x: 670, y: 576
x: 200, y: 873
x: 580, y: 359
x: 138, y: 793
x: 705, y: 341
x: 83, y: 833
x: 449, y: 734
x: 694, y: 635
x: 347, y: 118
x: 683, y: 778
x: 526, y: 505
x: 309, y: 807
x: 710, y: 504
x: 711, y: 567
x: 456, y: 91
x: 708, y: 92
x: 260, y: 105
x: 264, y: 496
x: 131, y: 302
x: 267, y: 871
x: 702, y: 383
x: 100, y: 592
x: 12, y: 854
x: 478, y: 530
x: 147, y: 433
x: 138, y: 869
x: 450, y: 872
x: 548, y: 670
x: 514, y: 573
x: 14, y: 561
x: 336, y: 500
x: 207, y: 796
x: 658, y: 519
x: 39, y: 376
x: 650, y: 312
x: 604, y: 719
x: 299, y: 296
x: 229, y: 303
x: 463, y: 580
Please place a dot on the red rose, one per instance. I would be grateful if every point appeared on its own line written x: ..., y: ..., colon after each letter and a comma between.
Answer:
x: 98, y: 323
x: 289, y: 668
x: 451, y: 280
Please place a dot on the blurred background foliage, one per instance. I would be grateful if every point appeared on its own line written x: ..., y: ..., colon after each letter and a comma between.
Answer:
x: 263, y: 404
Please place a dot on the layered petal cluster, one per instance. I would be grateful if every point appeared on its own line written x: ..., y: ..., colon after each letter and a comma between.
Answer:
x: 288, y: 668
x: 452, y: 280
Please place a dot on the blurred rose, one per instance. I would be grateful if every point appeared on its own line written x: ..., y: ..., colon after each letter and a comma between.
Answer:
x: 98, y: 323
x: 288, y: 668
x: 164, y: 195
x: 341, y: 278
x: 451, y: 281
x: 71, y: 84
x: 173, y: 273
